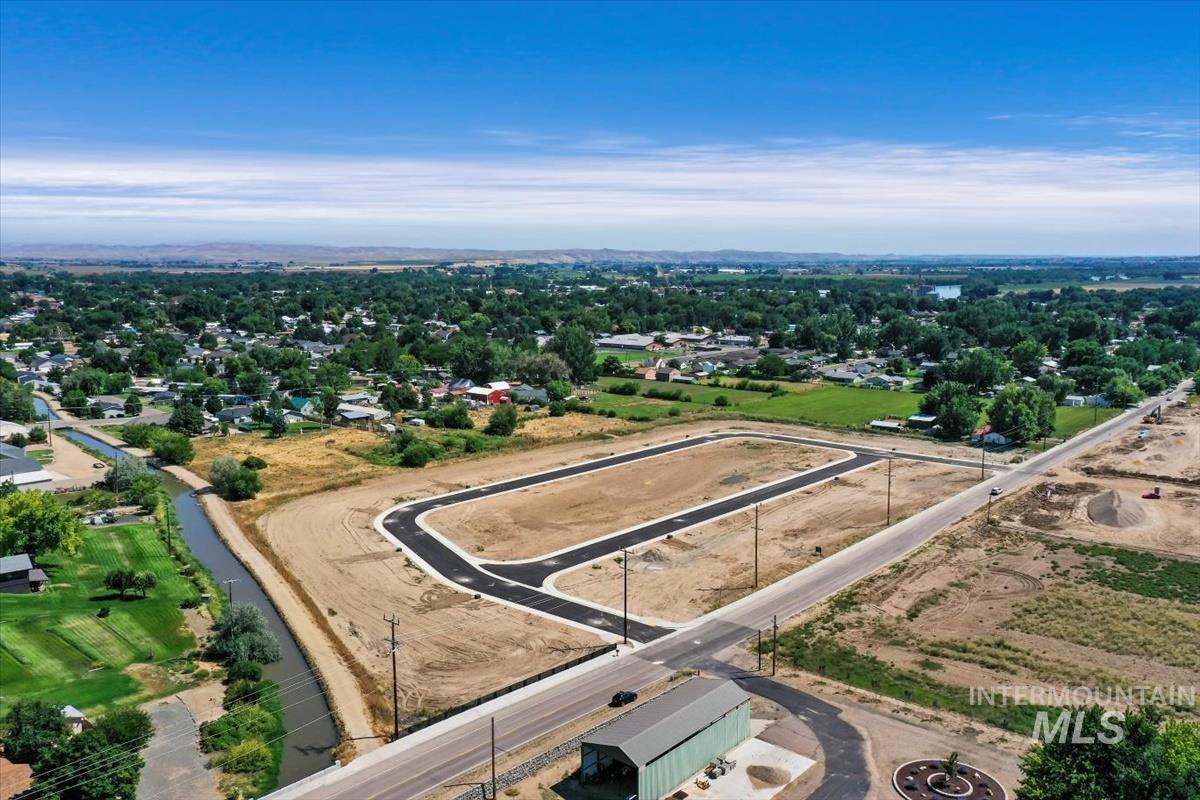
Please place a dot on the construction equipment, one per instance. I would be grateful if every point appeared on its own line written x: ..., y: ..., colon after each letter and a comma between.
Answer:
x: 1153, y: 494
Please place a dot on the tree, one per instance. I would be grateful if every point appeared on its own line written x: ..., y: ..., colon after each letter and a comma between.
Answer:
x: 241, y: 634
x: 74, y: 401
x: 37, y: 434
x: 37, y: 522
x: 278, y: 424
x: 124, y: 472
x: 1121, y: 391
x: 981, y: 370
x: 143, y: 492
x: 173, y: 448
x: 143, y: 582
x: 539, y: 369
x: 233, y: 480
x: 33, y: 730
x: 503, y: 421
x: 472, y: 358
x: 186, y: 418
x: 576, y: 348
x: 329, y: 404
x: 771, y: 366
x: 133, y: 405
x: 950, y: 769
x: 558, y: 390
x: 1027, y: 356
x: 1023, y: 413
x: 1145, y: 763
x: 101, y: 763
x: 612, y: 366
x: 956, y: 411
x: 453, y: 416
x: 120, y: 580
x: 16, y: 403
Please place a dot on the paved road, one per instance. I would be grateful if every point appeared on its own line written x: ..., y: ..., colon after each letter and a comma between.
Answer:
x: 520, y: 583
x: 402, y: 771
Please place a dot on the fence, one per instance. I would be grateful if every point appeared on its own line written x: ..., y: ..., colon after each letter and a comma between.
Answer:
x: 512, y: 687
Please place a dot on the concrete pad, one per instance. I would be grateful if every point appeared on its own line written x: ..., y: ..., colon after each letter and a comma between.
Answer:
x: 737, y: 785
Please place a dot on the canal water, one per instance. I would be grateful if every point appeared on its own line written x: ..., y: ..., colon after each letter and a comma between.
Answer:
x: 312, y: 735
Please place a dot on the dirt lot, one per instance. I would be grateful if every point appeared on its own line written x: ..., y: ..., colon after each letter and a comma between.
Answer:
x: 710, y: 566
x: 542, y: 519
x: 313, y: 522
x: 1170, y: 450
x: 1098, y: 497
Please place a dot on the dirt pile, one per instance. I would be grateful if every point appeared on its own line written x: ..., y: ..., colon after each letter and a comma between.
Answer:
x: 767, y: 776
x: 1114, y: 511
x: 654, y: 556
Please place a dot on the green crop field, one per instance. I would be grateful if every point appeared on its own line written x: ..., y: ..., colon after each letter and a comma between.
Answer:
x: 53, y: 645
x: 1070, y: 421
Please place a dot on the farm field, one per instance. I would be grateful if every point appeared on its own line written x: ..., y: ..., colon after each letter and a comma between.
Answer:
x: 711, y: 565
x: 544, y: 518
x: 54, y: 646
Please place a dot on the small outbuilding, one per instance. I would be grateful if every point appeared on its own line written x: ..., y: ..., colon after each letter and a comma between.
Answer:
x: 662, y: 743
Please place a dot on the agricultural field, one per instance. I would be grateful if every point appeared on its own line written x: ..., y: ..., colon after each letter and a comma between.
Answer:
x: 55, y: 645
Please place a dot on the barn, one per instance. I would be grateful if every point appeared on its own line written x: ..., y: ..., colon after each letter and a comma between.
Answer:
x: 661, y: 744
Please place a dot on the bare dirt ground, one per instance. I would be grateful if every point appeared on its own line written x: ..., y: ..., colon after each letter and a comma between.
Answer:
x: 1098, y: 497
x: 710, y: 566
x: 1171, y: 450
x: 71, y: 466
x: 545, y: 518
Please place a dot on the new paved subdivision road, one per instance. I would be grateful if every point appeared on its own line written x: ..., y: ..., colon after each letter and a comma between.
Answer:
x: 408, y: 769
x: 520, y: 582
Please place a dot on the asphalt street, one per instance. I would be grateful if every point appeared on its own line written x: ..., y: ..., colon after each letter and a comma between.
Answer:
x: 519, y: 582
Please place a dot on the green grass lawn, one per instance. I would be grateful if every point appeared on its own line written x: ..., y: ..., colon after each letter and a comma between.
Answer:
x: 835, y: 406
x: 43, y: 457
x: 54, y: 647
x: 1070, y: 421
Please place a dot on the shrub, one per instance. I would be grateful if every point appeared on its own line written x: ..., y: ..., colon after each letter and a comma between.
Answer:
x: 18, y: 439
x: 627, y: 388
x: 503, y: 421
x: 241, y: 691
x: 232, y: 480
x: 254, y: 462
x: 248, y: 756
x: 247, y: 721
x: 246, y: 670
x: 721, y: 400
x: 241, y: 634
x: 37, y: 435
x: 173, y: 448
x: 140, y: 434
x: 664, y: 394
x: 454, y: 416
x: 558, y: 408
x: 674, y: 412
x: 417, y: 454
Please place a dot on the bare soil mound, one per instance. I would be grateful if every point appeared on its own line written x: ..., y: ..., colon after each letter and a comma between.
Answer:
x: 1115, y: 511
x: 654, y: 555
x: 767, y: 776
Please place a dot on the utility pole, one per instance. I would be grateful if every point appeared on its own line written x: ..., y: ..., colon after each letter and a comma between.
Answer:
x: 493, y: 758
x: 759, y: 649
x: 229, y: 582
x: 756, y: 545
x: 982, y: 457
x: 889, y: 492
x: 625, y: 594
x: 395, y: 646
x: 774, y: 639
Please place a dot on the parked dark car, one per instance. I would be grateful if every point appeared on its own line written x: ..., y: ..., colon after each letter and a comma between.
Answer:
x: 622, y: 699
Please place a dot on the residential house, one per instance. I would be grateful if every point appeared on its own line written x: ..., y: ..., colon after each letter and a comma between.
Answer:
x: 492, y: 394
x: 881, y: 381
x: 841, y: 376
x: 19, y: 575
x: 234, y: 414
x: 76, y: 721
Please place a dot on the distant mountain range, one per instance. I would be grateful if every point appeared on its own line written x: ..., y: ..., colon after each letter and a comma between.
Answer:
x: 253, y: 252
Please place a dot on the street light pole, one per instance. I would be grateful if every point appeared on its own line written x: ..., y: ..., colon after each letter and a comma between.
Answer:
x: 493, y: 758
x: 774, y: 641
x: 889, y: 491
x: 756, y: 545
x: 625, y: 595
x: 229, y: 582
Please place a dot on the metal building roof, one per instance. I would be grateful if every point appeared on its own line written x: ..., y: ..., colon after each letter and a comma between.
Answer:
x: 18, y: 563
x: 647, y: 732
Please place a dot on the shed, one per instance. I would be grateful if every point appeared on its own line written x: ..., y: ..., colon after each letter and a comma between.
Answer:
x: 669, y: 738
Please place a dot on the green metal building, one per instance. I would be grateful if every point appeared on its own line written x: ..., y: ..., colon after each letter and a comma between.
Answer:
x: 669, y: 738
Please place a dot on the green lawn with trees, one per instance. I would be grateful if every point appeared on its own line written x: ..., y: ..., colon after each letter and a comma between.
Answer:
x: 73, y: 642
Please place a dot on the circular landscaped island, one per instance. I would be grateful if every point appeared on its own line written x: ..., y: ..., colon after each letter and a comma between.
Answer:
x: 945, y: 779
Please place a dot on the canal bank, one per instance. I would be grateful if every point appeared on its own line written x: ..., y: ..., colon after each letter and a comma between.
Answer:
x: 312, y: 730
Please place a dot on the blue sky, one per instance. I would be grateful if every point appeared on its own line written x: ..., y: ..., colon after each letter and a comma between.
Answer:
x: 894, y: 127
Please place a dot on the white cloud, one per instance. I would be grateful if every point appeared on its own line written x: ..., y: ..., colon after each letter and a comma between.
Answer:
x: 787, y: 194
